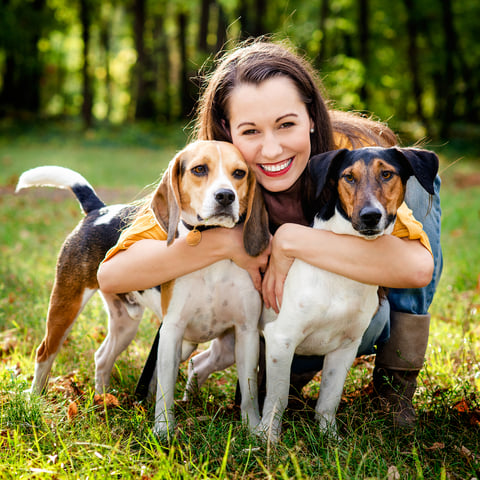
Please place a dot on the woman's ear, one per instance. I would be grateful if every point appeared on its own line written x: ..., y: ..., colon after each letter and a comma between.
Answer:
x: 226, y: 129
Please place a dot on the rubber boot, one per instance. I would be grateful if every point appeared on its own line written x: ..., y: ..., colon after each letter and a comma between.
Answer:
x: 397, y: 365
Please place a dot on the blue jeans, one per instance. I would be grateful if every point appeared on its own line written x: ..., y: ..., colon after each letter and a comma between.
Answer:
x: 417, y: 301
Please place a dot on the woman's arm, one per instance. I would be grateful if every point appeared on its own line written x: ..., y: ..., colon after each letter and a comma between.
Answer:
x: 388, y: 261
x: 148, y: 263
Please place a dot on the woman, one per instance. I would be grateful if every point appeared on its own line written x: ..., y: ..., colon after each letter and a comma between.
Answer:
x: 265, y: 100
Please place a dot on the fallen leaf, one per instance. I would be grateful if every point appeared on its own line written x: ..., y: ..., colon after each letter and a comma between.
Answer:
x: 393, y: 473
x: 468, y: 454
x: 72, y: 411
x: 435, y: 446
x: 461, y: 406
x: 106, y: 399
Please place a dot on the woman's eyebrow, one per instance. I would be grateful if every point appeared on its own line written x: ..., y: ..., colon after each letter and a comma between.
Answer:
x: 279, y: 119
x: 243, y: 124
x: 286, y: 115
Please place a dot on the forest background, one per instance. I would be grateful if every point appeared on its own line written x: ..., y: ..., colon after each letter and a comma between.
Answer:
x: 415, y: 64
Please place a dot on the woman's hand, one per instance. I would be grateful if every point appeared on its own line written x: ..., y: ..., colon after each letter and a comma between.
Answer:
x: 255, y: 266
x: 277, y: 271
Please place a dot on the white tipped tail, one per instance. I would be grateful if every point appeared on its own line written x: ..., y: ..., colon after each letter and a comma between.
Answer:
x: 61, y: 177
x: 50, y: 176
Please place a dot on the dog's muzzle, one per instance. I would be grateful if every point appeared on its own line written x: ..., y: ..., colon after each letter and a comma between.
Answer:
x: 223, y: 210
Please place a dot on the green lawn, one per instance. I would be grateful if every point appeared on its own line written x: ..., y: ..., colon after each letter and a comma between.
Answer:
x: 47, y: 438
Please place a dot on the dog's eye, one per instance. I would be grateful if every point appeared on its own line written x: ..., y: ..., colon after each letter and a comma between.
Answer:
x: 349, y: 178
x: 387, y: 175
x: 200, y: 170
x: 239, y: 174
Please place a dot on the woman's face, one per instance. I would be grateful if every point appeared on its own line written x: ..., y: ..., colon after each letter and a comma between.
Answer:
x: 270, y: 126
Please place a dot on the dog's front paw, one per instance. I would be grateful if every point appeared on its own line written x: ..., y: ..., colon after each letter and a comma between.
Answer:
x: 267, y: 433
x: 328, y: 427
x: 163, y: 433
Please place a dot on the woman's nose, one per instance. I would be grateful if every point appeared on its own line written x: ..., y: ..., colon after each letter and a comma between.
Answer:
x: 271, y: 147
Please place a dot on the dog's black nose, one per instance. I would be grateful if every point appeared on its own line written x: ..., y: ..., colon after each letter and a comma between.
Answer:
x: 370, y: 216
x: 225, y: 197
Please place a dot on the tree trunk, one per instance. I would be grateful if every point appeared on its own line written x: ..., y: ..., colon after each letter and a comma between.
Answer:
x: 203, y: 28
x: 105, y: 42
x: 260, y: 17
x: 222, y: 26
x: 414, y: 62
x: 364, y: 36
x: 162, y: 56
x: 144, y: 78
x: 186, y: 101
x: 324, y: 14
x: 87, y: 106
x: 448, y: 84
x: 21, y: 80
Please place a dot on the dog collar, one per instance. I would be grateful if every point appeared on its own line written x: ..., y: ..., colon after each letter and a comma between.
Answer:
x: 194, y: 236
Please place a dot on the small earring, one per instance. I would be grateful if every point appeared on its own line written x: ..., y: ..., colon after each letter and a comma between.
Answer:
x: 312, y: 130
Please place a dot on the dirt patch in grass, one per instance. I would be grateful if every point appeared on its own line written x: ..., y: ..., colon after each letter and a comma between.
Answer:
x: 467, y: 180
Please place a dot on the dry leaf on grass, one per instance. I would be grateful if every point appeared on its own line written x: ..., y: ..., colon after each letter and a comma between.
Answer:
x: 106, y: 399
x: 393, y: 473
x: 72, y: 411
x: 435, y: 446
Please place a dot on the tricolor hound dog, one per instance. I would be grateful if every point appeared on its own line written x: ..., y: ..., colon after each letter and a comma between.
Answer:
x: 207, y: 184
x: 356, y: 193
x: 326, y: 314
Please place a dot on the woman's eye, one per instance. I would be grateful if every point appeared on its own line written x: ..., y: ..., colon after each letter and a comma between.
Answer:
x: 239, y: 174
x: 287, y: 125
x: 251, y: 131
x: 199, y: 170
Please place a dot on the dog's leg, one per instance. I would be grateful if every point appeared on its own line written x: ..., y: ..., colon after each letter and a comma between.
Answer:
x: 219, y: 356
x: 247, y: 345
x: 279, y: 351
x: 122, y: 328
x: 335, y: 369
x: 168, y: 362
x: 64, y: 308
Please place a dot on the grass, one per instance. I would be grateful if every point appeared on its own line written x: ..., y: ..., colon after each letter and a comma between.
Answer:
x: 66, y: 434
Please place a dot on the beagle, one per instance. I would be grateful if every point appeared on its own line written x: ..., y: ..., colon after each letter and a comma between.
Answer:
x: 207, y: 184
x: 358, y: 193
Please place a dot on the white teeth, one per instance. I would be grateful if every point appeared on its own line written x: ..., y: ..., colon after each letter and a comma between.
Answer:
x: 277, y: 167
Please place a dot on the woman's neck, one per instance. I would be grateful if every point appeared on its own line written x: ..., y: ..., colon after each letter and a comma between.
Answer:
x: 286, y: 206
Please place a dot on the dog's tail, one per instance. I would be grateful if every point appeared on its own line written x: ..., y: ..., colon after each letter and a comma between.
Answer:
x: 61, y: 177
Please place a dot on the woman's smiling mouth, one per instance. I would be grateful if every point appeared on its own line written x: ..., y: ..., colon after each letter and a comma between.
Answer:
x: 274, y: 169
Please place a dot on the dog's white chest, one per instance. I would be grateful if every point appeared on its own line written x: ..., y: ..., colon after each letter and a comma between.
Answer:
x: 208, y: 302
x: 323, y: 311
x: 328, y: 311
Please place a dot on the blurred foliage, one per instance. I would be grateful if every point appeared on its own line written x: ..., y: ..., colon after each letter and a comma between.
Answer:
x: 413, y: 64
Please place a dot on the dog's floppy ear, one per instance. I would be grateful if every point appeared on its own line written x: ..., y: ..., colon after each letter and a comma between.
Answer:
x: 320, y: 166
x: 256, y: 234
x: 166, y: 199
x: 423, y: 164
